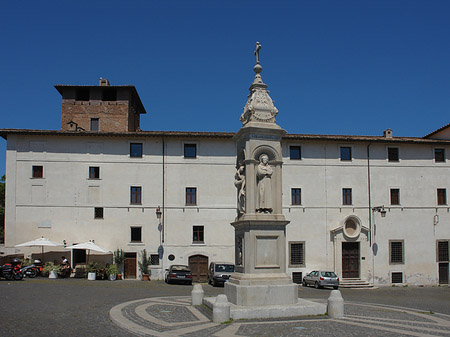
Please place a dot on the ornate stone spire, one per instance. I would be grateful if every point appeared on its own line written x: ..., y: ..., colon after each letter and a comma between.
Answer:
x: 259, y: 108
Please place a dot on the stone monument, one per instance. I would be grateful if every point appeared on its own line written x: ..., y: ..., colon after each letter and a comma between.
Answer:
x: 260, y: 286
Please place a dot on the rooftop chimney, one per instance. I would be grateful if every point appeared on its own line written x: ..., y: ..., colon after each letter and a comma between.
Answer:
x: 387, y: 133
x: 103, y: 82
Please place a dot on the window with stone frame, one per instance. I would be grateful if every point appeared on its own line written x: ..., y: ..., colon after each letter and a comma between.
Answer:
x: 346, y: 196
x: 442, y: 196
x: 439, y: 155
x: 136, y: 195
x: 396, y: 252
x: 94, y: 172
x: 346, y: 153
x: 296, y: 196
x: 442, y: 247
x: 95, y: 122
x: 395, y: 196
x: 393, y: 155
x: 37, y: 171
x: 198, y: 234
x: 297, y: 254
x: 191, y: 196
x: 136, y: 150
x: 295, y: 152
x: 136, y: 234
x: 154, y: 259
x: 98, y: 213
x: 190, y: 150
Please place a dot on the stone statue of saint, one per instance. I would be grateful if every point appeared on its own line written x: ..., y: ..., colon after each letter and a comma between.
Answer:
x: 239, y: 182
x: 264, y: 174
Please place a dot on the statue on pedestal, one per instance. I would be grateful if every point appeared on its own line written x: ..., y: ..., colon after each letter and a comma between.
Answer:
x: 264, y: 177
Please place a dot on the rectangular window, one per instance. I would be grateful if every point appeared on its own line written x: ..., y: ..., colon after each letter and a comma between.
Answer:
x: 346, y: 196
x: 154, y: 259
x: 82, y: 95
x: 38, y: 171
x: 136, y: 234
x: 296, y: 196
x: 94, y: 124
x: 396, y: 253
x: 94, y: 172
x: 439, y: 155
x: 136, y: 150
x: 136, y: 196
x: 98, y: 213
x: 295, y: 152
x: 191, y: 196
x: 297, y: 254
x: 442, y: 196
x: 393, y: 154
x: 397, y: 277
x: 395, y: 196
x: 198, y: 234
x: 109, y: 94
x: 297, y: 277
x: 442, y: 251
x: 346, y: 153
x: 190, y: 150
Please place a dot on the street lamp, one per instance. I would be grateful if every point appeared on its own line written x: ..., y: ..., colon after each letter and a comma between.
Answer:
x: 380, y: 209
x: 158, y: 213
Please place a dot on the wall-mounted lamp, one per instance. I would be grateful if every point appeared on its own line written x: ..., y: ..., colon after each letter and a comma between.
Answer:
x: 381, y: 210
x: 158, y: 212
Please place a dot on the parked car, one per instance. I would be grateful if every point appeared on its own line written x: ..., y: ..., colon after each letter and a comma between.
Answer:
x: 319, y: 279
x: 178, y: 273
x: 219, y: 272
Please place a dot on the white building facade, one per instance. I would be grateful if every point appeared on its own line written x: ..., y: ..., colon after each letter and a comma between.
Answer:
x: 371, y: 208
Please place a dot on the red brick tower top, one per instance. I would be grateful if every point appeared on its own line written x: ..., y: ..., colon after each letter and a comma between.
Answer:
x: 103, y: 108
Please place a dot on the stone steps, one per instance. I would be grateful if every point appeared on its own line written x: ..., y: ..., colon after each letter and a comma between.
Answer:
x: 355, y: 283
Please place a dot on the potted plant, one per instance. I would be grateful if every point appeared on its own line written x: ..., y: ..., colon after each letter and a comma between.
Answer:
x: 51, y: 269
x: 112, y: 271
x: 119, y: 258
x: 95, y: 270
x: 144, y: 263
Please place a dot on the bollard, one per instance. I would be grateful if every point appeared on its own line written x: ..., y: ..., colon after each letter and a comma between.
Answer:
x: 335, y: 305
x: 197, y: 295
x: 221, y: 309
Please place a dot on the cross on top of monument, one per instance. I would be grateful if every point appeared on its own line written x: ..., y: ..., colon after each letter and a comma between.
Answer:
x: 258, y: 47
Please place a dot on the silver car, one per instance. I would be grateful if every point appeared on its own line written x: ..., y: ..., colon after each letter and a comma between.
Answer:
x: 319, y: 279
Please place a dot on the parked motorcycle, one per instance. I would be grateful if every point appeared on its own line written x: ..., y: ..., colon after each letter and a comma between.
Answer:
x: 11, y: 271
x: 30, y: 271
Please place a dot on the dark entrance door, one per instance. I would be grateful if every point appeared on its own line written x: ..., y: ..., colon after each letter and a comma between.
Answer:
x: 130, y: 265
x: 443, y: 273
x: 350, y: 259
x: 199, y: 267
x: 78, y: 257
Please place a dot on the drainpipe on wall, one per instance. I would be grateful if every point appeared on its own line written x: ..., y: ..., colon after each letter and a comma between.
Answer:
x: 370, y: 211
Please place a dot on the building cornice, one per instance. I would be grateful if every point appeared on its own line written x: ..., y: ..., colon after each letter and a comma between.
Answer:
x: 224, y: 135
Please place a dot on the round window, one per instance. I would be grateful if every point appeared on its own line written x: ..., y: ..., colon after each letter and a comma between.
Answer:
x: 171, y: 257
x: 352, y: 227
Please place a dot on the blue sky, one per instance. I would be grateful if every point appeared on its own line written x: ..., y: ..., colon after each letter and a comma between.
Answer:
x: 333, y: 67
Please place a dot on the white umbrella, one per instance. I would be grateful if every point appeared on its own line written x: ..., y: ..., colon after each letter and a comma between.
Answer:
x: 41, y: 242
x: 89, y: 246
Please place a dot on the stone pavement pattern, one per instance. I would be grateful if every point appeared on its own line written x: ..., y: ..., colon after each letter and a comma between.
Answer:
x: 174, y: 316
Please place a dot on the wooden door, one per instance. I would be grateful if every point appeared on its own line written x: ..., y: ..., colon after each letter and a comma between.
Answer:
x: 350, y: 260
x: 199, y: 267
x: 130, y: 265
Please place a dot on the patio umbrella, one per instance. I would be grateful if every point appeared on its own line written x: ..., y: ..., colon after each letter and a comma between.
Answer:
x: 41, y: 242
x: 89, y: 246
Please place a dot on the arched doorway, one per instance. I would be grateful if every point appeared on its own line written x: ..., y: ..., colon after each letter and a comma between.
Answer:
x: 199, y: 268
